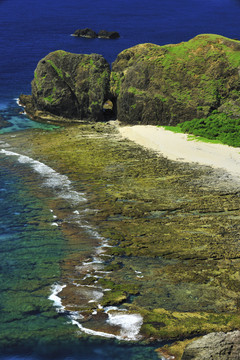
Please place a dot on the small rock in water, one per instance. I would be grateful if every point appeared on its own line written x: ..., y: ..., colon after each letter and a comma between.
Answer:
x: 88, y: 33
x: 104, y: 34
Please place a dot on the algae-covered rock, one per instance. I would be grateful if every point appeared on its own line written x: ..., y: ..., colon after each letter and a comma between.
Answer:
x: 214, y: 346
x: 71, y: 85
x: 174, y: 83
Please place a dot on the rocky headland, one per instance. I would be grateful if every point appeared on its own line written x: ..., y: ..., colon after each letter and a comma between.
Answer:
x: 174, y: 227
x: 69, y: 86
x: 148, y: 84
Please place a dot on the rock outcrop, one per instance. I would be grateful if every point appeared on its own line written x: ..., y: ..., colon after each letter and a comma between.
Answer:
x: 219, y: 346
x: 104, y: 34
x: 87, y: 33
x: 174, y: 83
x: 91, y: 34
x: 149, y: 84
x: 71, y: 85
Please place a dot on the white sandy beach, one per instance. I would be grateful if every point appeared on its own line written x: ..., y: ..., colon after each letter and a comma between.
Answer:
x: 177, y: 147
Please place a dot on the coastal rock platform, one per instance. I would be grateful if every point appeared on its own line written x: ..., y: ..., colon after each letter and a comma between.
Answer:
x: 172, y: 230
x: 214, y: 346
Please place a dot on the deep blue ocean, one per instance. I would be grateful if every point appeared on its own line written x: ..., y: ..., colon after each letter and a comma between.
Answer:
x: 31, y: 248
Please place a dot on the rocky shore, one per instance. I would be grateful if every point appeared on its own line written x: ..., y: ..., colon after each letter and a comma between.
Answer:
x: 173, y: 227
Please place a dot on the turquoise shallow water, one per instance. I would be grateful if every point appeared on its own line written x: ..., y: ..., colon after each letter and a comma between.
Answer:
x: 32, y: 247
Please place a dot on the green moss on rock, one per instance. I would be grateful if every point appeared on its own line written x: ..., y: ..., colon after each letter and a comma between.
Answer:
x: 71, y: 85
x: 177, y: 82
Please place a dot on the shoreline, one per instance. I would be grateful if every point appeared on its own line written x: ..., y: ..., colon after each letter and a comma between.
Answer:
x: 177, y: 147
x: 153, y: 208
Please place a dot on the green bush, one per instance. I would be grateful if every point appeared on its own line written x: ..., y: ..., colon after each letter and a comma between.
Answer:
x: 217, y: 126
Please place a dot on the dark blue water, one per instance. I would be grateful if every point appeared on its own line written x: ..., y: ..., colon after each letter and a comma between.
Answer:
x: 31, y: 29
x: 30, y: 247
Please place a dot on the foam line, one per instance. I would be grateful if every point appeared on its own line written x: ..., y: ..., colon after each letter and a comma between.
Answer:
x: 60, y: 183
x: 57, y: 302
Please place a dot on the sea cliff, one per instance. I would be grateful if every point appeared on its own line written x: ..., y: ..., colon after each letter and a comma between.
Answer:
x: 148, y: 84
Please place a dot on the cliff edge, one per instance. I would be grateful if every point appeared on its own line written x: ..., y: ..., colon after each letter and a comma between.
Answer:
x: 150, y: 84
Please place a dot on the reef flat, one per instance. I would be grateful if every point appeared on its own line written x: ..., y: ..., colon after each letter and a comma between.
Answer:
x: 173, y: 229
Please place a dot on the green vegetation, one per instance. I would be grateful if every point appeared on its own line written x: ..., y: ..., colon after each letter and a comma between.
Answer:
x: 217, y: 126
x: 187, y: 50
x: 164, y: 324
x: 103, y: 78
x: 115, y: 83
x: 135, y: 91
x: 58, y: 71
x: 160, y: 97
x: 50, y: 99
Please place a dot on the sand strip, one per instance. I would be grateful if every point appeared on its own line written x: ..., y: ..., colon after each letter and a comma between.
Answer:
x: 177, y: 147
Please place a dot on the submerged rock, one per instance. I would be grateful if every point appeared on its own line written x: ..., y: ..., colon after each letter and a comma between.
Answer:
x: 219, y: 346
x: 71, y: 85
x: 174, y: 83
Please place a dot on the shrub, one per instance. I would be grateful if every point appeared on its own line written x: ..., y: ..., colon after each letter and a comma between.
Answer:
x: 218, y: 126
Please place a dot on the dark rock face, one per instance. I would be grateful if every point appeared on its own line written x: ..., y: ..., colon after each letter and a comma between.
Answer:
x: 88, y: 33
x: 149, y: 84
x: 103, y: 34
x: 217, y: 346
x: 174, y: 83
x: 71, y: 85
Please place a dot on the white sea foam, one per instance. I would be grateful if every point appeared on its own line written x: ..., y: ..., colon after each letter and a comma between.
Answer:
x: 57, y: 302
x: 130, y: 324
x: 92, y: 232
x: 17, y: 101
x: 74, y: 315
x: 93, y: 332
x: 60, y: 183
x: 110, y: 308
